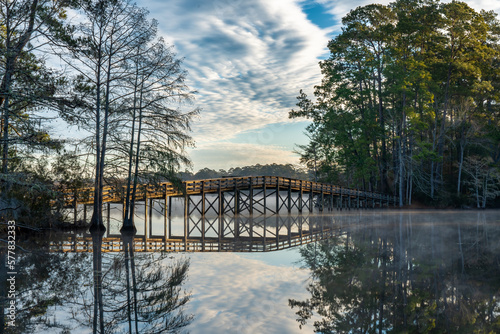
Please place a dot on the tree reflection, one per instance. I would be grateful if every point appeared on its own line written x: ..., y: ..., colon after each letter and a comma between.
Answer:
x: 154, y: 302
x: 43, y: 282
x: 403, y: 276
x: 97, y: 231
x: 83, y: 292
x: 140, y: 293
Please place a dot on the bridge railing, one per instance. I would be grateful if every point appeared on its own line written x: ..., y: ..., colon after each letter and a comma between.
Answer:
x: 113, y: 194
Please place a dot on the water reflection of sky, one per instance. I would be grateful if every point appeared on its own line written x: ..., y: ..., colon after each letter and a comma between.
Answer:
x: 245, y: 293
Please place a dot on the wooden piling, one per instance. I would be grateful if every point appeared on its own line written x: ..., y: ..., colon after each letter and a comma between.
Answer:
x: 203, y: 199
x: 264, y: 194
x: 165, y: 214
x: 301, y: 193
x: 289, y: 199
x: 145, y: 218
x: 250, y: 195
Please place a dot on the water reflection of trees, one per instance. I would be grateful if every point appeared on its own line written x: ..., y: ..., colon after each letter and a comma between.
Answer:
x: 44, y: 283
x: 151, y: 303
x: 404, y: 275
x: 56, y: 292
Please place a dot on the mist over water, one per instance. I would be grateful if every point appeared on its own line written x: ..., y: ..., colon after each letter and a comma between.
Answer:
x: 402, y: 270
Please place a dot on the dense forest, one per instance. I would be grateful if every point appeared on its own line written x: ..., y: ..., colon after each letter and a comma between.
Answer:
x: 408, y: 104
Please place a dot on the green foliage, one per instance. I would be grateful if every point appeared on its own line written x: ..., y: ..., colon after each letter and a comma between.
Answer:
x: 409, y: 83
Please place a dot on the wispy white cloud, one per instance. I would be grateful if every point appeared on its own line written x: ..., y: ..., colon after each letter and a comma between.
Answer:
x: 247, y: 59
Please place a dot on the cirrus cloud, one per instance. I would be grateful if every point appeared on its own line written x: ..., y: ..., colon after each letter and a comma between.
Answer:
x: 248, y: 59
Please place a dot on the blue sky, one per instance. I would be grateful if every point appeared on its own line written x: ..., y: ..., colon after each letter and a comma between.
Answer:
x: 248, y: 59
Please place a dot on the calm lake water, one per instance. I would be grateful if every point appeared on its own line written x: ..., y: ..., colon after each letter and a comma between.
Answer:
x: 378, y: 271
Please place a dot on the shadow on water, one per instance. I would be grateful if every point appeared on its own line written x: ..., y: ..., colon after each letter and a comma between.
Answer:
x: 406, y: 273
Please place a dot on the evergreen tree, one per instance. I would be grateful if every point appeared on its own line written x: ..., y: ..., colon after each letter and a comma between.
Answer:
x: 412, y: 83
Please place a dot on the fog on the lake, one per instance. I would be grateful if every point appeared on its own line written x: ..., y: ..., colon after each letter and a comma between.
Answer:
x: 378, y: 271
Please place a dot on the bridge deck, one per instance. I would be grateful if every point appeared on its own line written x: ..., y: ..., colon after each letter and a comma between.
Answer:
x: 228, y: 184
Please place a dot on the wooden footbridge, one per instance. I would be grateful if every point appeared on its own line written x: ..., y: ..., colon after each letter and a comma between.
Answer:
x: 235, y: 195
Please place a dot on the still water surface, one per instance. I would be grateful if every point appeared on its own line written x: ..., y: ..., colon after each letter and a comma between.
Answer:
x: 380, y: 271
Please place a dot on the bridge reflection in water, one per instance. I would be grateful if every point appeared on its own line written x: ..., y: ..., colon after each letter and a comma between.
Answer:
x: 218, y: 234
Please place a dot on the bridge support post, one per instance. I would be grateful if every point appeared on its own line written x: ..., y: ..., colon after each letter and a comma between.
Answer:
x: 349, y: 201
x: 203, y: 197
x: 108, y: 217
x: 165, y: 217
x: 170, y: 228
x: 221, y: 200
x: 311, y: 229
x: 250, y: 232
x: 150, y: 222
x: 239, y: 226
x: 357, y: 199
x: 301, y: 193
x: 277, y: 196
x: 264, y: 187
x: 237, y: 200
x: 186, y: 209
x: 250, y: 195
x: 289, y: 193
x: 146, y: 209
x: 310, y: 198
x: 170, y: 206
